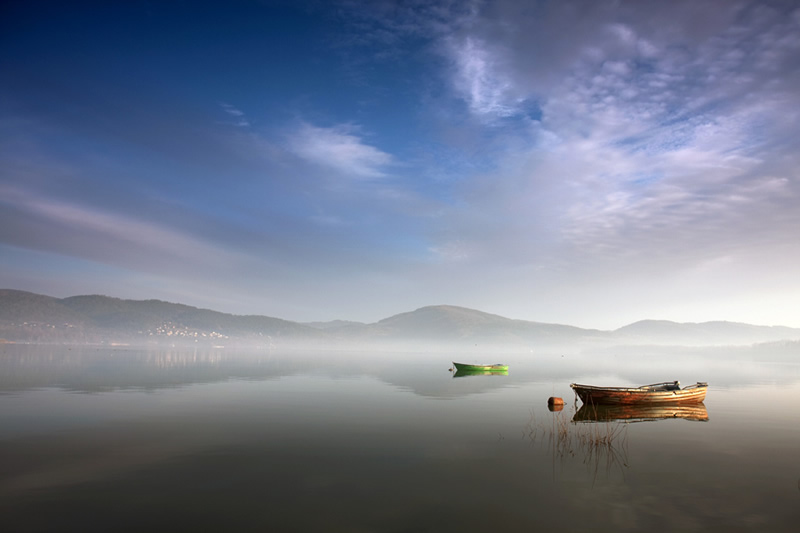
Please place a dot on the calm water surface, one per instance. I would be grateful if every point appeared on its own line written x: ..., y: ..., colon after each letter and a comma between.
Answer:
x: 101, y: 439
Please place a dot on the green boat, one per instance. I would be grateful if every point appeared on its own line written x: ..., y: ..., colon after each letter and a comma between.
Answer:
x: 461, y: 367
x: 465, y: 373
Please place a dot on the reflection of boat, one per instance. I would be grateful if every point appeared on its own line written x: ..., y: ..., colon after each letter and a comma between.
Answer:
x: 668, y: 392
x: 481, y: 368
x: 464, y: 373
x: 639, y: 413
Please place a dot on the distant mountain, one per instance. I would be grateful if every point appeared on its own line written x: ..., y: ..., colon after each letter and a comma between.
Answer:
x: 334, y: 324
x: 28, y: 317
x: 447, y: 323
x: 702, y: 334
x: 20, y: 306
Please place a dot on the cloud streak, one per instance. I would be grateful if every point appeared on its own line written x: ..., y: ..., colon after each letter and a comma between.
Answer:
x: 339, y: 149
x: 238, y: 116
x: 480, y: 79
x: 113, y: 238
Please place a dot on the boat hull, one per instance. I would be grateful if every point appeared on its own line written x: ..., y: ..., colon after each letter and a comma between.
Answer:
x: 659, y: 394
x: 480, y: 368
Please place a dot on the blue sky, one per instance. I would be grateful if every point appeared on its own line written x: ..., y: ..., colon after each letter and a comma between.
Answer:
x: 591, y: 163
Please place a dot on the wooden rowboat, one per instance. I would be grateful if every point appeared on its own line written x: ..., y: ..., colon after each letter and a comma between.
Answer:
x: 669, y: 392
x: 640, y: 413
x: 480, y: 368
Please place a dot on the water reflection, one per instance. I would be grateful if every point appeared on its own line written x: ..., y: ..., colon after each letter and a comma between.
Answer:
x: 93, y: 369
x: 221, y: 440
x: 97, y: 369
x: 467, y: 373
x: 640, y: 413
x: 599, y: 447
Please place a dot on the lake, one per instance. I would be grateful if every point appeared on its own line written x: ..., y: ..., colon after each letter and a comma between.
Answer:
x: 124, y: 439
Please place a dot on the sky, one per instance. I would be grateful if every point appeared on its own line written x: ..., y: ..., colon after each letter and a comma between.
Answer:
x: 591, y: 163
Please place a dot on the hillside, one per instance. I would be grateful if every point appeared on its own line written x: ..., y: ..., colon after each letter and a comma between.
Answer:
x: 28, y: 317
x: 704, y: 333
x: 447, y: 323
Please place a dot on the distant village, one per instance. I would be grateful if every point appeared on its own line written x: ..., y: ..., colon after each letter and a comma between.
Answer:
x: 167, y: 330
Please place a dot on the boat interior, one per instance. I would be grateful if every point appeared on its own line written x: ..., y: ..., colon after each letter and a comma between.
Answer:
x: 666, y: 386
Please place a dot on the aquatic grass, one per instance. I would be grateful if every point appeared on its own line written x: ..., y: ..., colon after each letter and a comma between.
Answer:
x: 596, y: 444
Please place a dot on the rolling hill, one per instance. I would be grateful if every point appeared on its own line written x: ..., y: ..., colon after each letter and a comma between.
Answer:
x: 28, y: 317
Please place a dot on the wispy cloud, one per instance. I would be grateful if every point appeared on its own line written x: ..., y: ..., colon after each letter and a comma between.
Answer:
x: 696, y: 123
x: 338, y: 148
x: 387, y: 22
x: 90, y: 232
x: 239, y: 117
x: 651, y: 139
x: 480, y: 79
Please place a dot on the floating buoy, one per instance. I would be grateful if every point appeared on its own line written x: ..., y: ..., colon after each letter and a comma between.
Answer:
x: 555, y: 404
